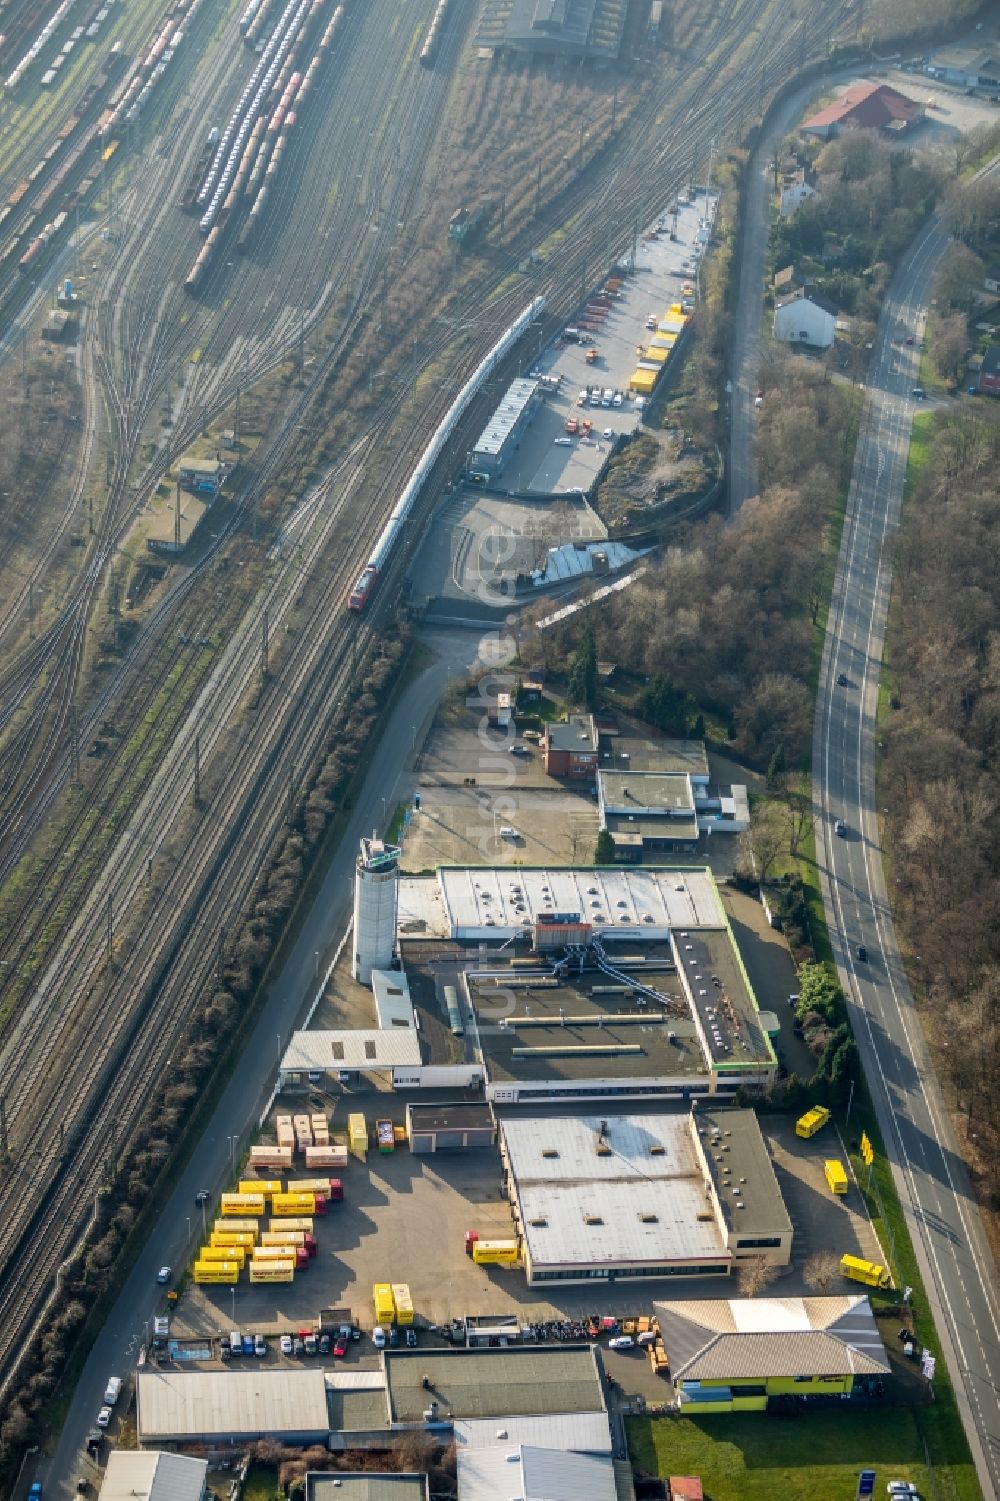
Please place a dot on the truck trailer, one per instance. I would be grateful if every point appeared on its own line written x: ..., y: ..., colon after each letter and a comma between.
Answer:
x: 242, y: 1204
x: 266, y: 1186
x: 272, y: 1271
x: 293, y: 1204
x: 403, y: 1301
x: 385, y: 1303
x: 241, y: 1238
x: 238, y: 1254
x: 814, y: 1120
x: 836, y: 1175
x: 496, y: 1252
x: 216, y: 1271
x: 244, y: 1227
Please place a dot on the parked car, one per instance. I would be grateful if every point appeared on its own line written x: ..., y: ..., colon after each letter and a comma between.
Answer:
x: 918, y: 393
x: 901, y: 1488
x: 340, y: 1349
x: 259, y: 1345
x: 411, y: 1338
x: 95, y: 1438
x: 621, y: 1342
x: 163, y: 1276
x: 285, y: 1344
x: 235, y: 1342
x: 35, y: 1494
x: 378, y: 1337
x: 104, y: 1417
x: 519, y: 750
x: 299, y: 1345
x: 82, y: 1485
x: 248, y: 1344
x: 393, y: 1335
x: 324, y: 1344
x: 564, y: 442
x: 310, y: 1344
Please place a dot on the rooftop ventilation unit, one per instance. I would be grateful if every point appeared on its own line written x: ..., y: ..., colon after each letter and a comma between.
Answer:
x: 593, y: 1219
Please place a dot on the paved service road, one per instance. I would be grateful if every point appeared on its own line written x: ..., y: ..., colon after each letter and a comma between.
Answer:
x: 117, y: 1347
x: 955, y: 1260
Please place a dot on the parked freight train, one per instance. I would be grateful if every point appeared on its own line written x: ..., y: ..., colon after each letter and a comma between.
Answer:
x: 359, y: 595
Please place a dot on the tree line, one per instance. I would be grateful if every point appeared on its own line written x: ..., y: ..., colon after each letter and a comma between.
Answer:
x: 940, y: 767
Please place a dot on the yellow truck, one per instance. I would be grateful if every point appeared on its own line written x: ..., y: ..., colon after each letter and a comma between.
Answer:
x: 292, y: 1204
x: 289, y: 1222
x: 814, y: 1120
x: 216, y: 1271
x: 224, y: 1253
x: 239, y: 1227
x: 496, y: 1253
x: 403, y: 1301
x: 241, y: 1238
x: 385, y: 1303
x: 272, y: 1271
x: 265, y: 1186
x: 836, y: 1175
x: 868, y: 1272
x: 242, y: 1204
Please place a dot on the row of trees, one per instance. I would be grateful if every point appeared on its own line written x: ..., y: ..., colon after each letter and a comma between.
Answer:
x: 940, y: 771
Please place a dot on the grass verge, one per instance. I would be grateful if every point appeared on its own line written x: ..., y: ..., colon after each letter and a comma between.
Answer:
x: 757, y: 1457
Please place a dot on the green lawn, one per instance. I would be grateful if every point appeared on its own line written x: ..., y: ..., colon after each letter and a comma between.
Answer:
x: 754, y: 1457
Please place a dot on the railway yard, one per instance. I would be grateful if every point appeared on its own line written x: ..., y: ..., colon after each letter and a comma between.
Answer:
x: 149, y: 756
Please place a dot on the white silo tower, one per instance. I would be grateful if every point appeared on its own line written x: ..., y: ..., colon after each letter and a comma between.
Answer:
x: 376, y: 878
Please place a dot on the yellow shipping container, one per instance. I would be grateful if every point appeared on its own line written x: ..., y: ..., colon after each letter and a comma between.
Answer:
x: 642, y: 381
x: 310, y: 1186
x: 357, y: 1134
x: 272, y: 1271
x: 224, y: 1253
x: 248, y: 1227
x: 836, y: 1177
x: 216, y: 1271
x: 285, y: 1204
x: 265, y: 1186
x: 234, y: 1238
x: 385, y: 1303
x: 291, y: 1224
x: 403, y: 1301
x: 495, y: 1252
x: 658, y: 356
x: 283, y: 1238
x: 242, y: 1204
x: 281, y: 1252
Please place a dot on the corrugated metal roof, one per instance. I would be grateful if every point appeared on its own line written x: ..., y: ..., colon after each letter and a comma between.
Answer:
x: 578, y: 1432
x: 175, y: 1404
x: 720, y: 1339
x: 530, y: 1473
x: 153, y: 1476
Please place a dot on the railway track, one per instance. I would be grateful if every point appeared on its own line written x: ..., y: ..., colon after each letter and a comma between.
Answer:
x: 135, y: 1042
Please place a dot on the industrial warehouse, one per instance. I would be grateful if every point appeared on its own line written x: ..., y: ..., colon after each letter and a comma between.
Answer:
x: 584, y: 984
x: 626, y: 1196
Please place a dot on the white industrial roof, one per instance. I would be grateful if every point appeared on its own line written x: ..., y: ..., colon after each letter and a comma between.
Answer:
x: 153, y: 1475
x: 175, y: 1404
x: 366, y: 1048
x: 534, y: 1474
x: 500, y: 425
x: 578, y: 1432
x: 579, y: 1206
x: 393, y: 1006
x: 497, y: 901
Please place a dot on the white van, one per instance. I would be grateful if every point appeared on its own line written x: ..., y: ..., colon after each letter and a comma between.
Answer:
x: 607, y: 398
x: 235, y: 1342
x: 113, y: 1390
x: 507, y: 831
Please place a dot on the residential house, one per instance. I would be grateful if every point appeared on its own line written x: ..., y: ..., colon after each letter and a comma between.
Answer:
x: 570, y: 747
x: 802, y: 318
x: 968, y: 67
x: 989, y: 371
x: 796, y: 188
x: 786, y: 281
x: 869, y: 106
x: 736, y: 1355
x: 991, y: 281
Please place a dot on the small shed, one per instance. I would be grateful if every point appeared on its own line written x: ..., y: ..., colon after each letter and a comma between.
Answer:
x: 449, y: 1128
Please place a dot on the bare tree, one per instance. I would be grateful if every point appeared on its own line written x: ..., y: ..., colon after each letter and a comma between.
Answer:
x: 798, y: 822
x: 761, y: 843
x: 822, y: 1270
x: 755, y: 1275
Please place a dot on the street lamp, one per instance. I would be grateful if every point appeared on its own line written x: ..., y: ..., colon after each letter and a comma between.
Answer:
x: 278, y: 1035
x: 316, y: 968
x: 232, y: 1140
x: 188, y: 1217
x: 413, y: 742
x: 383, y: 815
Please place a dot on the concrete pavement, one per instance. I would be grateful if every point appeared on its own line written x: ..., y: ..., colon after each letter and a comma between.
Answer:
x: 117, y: 1347
x: 942, y: 1217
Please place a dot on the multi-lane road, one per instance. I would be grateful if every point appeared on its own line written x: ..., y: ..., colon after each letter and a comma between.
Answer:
x: 955, y: 1259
